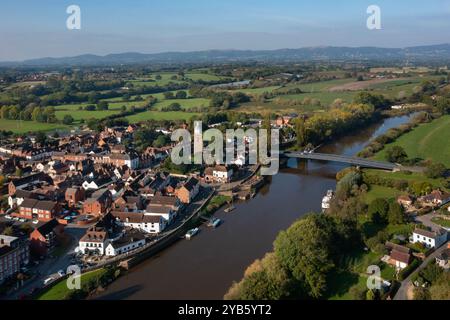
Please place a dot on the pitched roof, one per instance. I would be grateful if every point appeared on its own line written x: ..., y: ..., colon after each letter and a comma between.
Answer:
x: 28, y: 203
x: 163, y: 200
x: 128, y: 238
x: 429, y: 234
x: 191, y: 183
x: 400, y: 256
x: 45, y: 205
x: 158, y: 209
x: 48, y: 227
x: 95, y: 234
x: 135, y: 217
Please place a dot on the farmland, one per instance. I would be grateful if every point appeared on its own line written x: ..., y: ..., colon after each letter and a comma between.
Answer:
x: 156, y: 115
x: 168, y: 77
x: 428, y: 141
x: 18, y: 126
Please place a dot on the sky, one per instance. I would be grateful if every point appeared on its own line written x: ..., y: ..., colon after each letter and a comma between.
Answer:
x: 34, y: 29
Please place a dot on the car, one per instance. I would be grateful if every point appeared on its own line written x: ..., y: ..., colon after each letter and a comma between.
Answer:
x: 48, y: 281
x: 8, y: 217
x: 22, y: 220
x: 16, y: 219
x: 61, y: 273
x: 35, y: 221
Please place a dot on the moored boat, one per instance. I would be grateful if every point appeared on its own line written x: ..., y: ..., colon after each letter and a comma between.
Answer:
x: 191, y: 233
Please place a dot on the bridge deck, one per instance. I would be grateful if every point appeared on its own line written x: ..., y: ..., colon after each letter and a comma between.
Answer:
x: 342, y: 159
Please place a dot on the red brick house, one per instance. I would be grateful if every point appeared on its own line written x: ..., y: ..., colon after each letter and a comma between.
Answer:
x: 38, y: 209
x: 74, y: 195
x: 188, y: 191
x: 45, y: 237
x: 99, y: 203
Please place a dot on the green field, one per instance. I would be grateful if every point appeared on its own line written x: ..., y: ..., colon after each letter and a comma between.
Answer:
x: 326, y: 98
x: 184, y: 103
x: 77, y: 114
x: 427, y: 141
x: 60, y: 290
x: 376, y: 192
x: 18, y: 126
x: 166, y: 77
x: 157, y: 115
x: 412, y: 177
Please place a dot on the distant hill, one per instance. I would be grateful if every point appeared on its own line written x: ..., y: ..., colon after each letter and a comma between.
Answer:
x: 420, y: 53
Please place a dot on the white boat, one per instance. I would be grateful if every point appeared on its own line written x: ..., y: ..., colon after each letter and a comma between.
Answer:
x: 215, y: 222
x: 229, y: 209
x: 327, y: 199
x: 191, y: 233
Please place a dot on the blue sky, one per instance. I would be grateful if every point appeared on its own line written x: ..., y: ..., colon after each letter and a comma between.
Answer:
x: 30, y: 28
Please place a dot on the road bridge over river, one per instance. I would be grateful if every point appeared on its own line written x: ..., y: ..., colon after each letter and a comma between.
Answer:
x: 360, y: 162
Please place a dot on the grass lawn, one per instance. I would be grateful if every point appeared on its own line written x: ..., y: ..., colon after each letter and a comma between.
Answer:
x: 340, y: 282
x: 442, y: 222
x: 413, y: 177
x: 60, y: 290
x: 18, y: 126
x: 381, y: 192
x: 427, y: 141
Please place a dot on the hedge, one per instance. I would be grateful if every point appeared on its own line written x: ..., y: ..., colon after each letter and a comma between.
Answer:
x: 408, y: 270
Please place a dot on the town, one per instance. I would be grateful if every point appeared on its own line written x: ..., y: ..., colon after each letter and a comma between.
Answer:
x: 281, y: 152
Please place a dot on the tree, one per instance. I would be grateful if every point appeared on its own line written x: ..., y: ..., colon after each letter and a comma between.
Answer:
x: 435, y: 170
x: 300, y: 131
x: 440, y: 290
x: 396, y: 215
x: 378, y: 101
x: 68, y: 119
x: 357, y: 293
x: 378, y: 210
x: 396, y: 154
x: 161, y: 141
x: 421, y: 293
x: 168, y: 95
x: 41, y: 138
x: 443, y: 105
x: 304, y: 250
x: 181, y: 95
x: 102, y: 105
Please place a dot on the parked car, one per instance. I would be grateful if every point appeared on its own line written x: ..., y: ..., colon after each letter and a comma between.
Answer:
x: 61, y: 273
x: 22, y: 220
x: 8, y: 217
x: 35, y: 221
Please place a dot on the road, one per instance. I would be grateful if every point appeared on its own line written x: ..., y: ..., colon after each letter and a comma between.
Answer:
x: 50, y: 266
x: 402, y: 293
x: 427, y: 220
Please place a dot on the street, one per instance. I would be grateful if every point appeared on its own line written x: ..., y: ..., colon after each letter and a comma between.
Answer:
x: 50, y: 266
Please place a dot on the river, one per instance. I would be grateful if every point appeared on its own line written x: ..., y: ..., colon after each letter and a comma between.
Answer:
x: 206, y: 266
